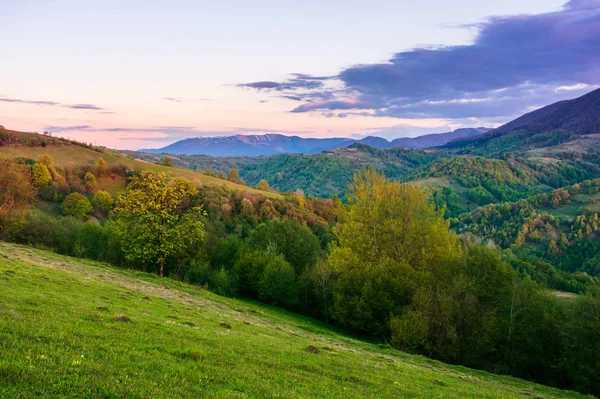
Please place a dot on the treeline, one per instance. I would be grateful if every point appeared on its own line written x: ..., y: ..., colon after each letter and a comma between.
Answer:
x: 390, y: 268
x: 8, y: 137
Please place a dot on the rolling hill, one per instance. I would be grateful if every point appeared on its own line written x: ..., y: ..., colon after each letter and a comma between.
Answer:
x: 271, y: 144
x: 551, y: 125
x: 66, y: 153
x: 77, y: 328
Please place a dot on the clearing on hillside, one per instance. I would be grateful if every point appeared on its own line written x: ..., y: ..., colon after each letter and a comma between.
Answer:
x: 76, y: 328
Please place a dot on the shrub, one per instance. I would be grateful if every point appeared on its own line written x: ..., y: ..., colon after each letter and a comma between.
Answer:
x: 41, y: 174
x: 103, y: 202
x: 76, y: 205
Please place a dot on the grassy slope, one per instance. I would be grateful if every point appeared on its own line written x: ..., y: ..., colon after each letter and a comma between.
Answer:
x: 72, y: 155
x: 60, y: 337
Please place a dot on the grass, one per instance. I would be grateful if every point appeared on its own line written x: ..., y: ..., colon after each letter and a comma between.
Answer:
x: 72, y: 155
x: 77, y: 328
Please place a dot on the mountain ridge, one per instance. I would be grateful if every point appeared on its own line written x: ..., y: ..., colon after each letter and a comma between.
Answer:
x: 271, y: 144
x: 579, y: 116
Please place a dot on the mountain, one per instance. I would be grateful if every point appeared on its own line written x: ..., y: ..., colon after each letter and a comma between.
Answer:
x: 544, y: 127
x: 271, y: 144
x: 438, y: 139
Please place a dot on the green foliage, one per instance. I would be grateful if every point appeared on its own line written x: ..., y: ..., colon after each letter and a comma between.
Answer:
x: 389, y: 234
x: 41, y: 175
x: 295, y: 242
x: 76, y: 205
x: 103, y: 202
x: 92, y: 240
x: 222, y: 282
x: 480, y: 196
x: 277, y: 283
x: 175, y: 329
x: 151, y: 221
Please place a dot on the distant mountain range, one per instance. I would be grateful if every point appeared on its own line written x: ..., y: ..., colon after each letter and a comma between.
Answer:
x: 270, y: 144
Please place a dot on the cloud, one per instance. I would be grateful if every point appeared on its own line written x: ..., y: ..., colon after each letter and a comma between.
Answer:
x: 89, y: 107
x: 183, y: 100
x: 60, y: 129
x: 298, y: 81
x: 85, y: 106
x: 514, y: 63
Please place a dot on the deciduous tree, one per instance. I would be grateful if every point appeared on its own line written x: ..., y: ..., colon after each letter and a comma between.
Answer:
x: 154, y: 219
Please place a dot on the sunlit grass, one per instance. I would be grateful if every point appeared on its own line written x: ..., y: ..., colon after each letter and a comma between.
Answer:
x: 76, y: 328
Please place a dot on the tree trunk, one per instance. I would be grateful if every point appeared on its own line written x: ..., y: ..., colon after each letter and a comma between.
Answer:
x: 161, y: 268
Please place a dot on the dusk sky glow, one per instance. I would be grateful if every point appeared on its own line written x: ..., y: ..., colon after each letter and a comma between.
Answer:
x: 140, y: 74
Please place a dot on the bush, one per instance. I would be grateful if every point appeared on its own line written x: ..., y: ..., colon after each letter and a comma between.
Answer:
x: 76, y: 205
x: 41, y: 174
x: 92, y: 240
x: 103, y: 202
x: 198, y: 273
x: 90, y: 182
x: 277, y: 285
x: 222, y: 283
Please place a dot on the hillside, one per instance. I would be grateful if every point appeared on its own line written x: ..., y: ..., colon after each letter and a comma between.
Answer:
x: 323, y: 175
x: 547, y: 126
x: 66, y: 153
x: 271, y: 144
x: 74, y: 328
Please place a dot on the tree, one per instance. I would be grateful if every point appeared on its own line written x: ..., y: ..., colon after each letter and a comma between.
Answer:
x: 41, y: 174
x: 389, y: 235
x: 263, y: 185
x: 46, y: 160
x: 103, y: 202
x: 277, y: 285
x: 154, y: 220
x: 167, y: 162
x: 90, y: 182
x: 16, y: 189
x: 101, y: 167
x: 298, y: 245
x: 76, y: 205
x: 233, y: 175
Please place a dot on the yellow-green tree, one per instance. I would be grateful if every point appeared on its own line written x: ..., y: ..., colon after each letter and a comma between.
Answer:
x: 101, y: 167
x: 46, y: 160
x: 103, y: 202
x: 90, y: 182
x: 263, y: 185
x: 76, y: 205
x: 154, y: 220
x: 41, y: 174
x: 390, y: 235
x: 234, y: 175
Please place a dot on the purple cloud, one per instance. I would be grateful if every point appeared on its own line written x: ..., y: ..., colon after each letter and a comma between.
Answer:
x: 513, y: 64
x: 298, y: 81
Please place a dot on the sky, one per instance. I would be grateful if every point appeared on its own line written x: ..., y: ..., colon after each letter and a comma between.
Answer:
x: 143, y: 74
